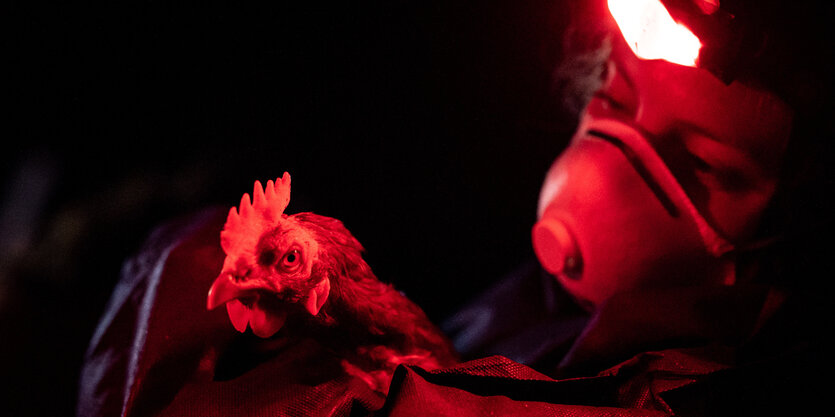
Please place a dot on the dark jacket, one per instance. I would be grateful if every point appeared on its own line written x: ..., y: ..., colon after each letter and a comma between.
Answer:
x: 529, y: 350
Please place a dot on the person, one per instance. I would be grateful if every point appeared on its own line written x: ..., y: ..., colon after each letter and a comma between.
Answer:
x: 680, y: 236
x: 675, y: 270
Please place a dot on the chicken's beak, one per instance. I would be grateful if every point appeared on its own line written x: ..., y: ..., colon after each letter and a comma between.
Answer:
x: 243, y: 306
x: 228, y: 287
x: 224, y: 288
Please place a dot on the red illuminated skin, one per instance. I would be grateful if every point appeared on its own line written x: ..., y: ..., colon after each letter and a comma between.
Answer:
x: 691, y: 167
x: 724, y: 143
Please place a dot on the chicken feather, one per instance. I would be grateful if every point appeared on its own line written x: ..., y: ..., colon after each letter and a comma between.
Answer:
x: 308, y: 269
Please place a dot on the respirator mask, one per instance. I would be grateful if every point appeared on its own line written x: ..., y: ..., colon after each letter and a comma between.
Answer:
x: 673, y: 162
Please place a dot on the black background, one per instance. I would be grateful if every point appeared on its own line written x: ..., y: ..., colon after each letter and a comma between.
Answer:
x: 425, y: 126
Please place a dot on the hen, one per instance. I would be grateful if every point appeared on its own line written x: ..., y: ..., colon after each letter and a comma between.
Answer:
x: 305, y: 273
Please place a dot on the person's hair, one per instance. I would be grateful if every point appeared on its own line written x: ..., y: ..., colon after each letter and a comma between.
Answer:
x: 584, y: 51
x: 796, y: 64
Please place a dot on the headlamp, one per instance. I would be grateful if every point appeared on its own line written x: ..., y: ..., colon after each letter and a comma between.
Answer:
x: 695, y: 33
x: 651, y: 32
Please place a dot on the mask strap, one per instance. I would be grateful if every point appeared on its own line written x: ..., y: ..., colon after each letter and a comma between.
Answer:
x: 662, y: 178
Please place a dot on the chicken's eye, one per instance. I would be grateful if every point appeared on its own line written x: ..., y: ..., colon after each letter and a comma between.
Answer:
x: 291, y: 260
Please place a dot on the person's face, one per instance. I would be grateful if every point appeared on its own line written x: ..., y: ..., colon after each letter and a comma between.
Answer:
x: 670, y: 170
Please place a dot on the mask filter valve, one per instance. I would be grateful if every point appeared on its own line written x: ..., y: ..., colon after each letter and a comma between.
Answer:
x: 556, y: 249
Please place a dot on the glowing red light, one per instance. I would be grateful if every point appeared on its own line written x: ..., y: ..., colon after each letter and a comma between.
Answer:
x: 652, y: 33
x: 708, y: 6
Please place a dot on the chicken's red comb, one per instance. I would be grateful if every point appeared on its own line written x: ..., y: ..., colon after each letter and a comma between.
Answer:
x: 253, y: 217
